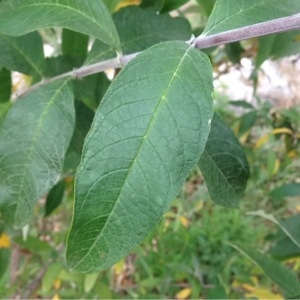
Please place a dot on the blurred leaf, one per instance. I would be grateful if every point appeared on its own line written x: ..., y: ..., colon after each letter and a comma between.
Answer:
x: 24, y: 54
x: 34, y: 245
x: 90, y: 90
x: 50, y: 276
x: 57, y: 65
x: 289, y: 226
x: 284, y: 248
x: 277, y: 272
x: 90, y: 281
x: 75, y: 44
x: 241, y: 103
x: 207, y: 6
x: 34, y: 138
x: 224, y: 165
x: 169, y: 5
x: 227, y: 15
x: 141, y: 122
x: 4, y: 241
x: 5, y: 85
x: 4, y: 261
x: 152, y: 3
x: 153, y: 28
x: 183, y: 294
x: 234, y: 52
x: 262, y: 294
x: 86, y: 16
x: 277, y: 46
x: 286, y: 190
x: 246, y: 122
x: 218, y: 292
x: 111, y: 4
x: 54, y: 198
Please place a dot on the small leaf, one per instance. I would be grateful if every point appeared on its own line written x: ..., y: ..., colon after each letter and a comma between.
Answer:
x: 152, y: 29
x: 224, y: 165
x: 4, y: 108
x: 54, y: 197
x: 34, y: 138
x: 227, y: 15
x: 50, y: 276
x: 286, y: 190
x: 90, y: 17
x: 5, y: 85
x: 277, y: 272
x: 24, y: 54
x: 149, y: 131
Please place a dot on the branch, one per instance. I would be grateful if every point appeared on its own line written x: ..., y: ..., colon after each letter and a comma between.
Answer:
x: 247, y: 32
x: 201, y: 42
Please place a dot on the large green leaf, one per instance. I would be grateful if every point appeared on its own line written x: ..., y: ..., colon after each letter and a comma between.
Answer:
x: 139, y: 29
x: 24, y: 54
x: 90, y: 17
x: 149, y: 131
x: 224, y: 165
x: 34, y: 138
x: 230, y: 14
x: 279, y: 273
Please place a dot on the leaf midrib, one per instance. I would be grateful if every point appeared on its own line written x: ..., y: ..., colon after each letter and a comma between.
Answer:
x: 163, y: 97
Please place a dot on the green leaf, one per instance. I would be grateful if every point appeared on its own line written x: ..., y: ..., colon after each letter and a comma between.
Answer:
x: 152, y: 3
x: 90, y: 17
x: 24, y: 54
x: 224, y: 165
x: 289, y: 226
x: 246, y: 122
x: 277, y: 272
x: 5, y: 255
x: 139, y: 29
x: 90, y: 281
x: 74, y: 44
x: 111, y: 4
x: 228, y: 14
x: 149, y: 131
x: 54, y: 197
x: 286, y: 190
x: 207, y: 6
x: 34, y: 138
x: 50, y: 276
x: 169, y: 5
x: 5, y: 85
x: 4, y: 107
x: 277, y: 46
x: 284, y: 248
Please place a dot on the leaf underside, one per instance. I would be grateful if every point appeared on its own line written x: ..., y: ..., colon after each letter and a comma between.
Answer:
x: 91, y: 17
x: 149, y: 131
x: 34, y: 138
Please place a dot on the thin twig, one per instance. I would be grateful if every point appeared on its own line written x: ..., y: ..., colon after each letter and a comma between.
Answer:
x: 203, y: 41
